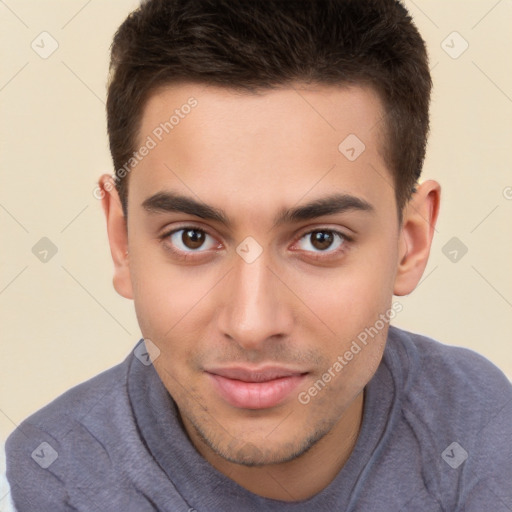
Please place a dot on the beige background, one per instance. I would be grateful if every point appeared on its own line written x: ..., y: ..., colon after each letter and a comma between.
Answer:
x: 62, y: 322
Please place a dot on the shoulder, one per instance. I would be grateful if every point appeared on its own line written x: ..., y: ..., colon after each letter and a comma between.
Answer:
x: 448, y: 375
x: 46, y: 447
x: 456, y: 407
x: 76, y: 403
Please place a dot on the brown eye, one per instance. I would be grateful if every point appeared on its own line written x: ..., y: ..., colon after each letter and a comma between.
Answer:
x: 192, y: 238
x: 321, y: 240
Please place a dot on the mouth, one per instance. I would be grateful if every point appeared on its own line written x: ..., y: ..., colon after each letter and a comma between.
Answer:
x: 246, y: 388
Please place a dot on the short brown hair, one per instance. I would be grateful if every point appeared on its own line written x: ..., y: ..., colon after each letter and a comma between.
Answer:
x: 261, y: 44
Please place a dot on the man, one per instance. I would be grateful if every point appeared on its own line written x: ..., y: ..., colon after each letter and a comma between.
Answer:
x: 264, y: 211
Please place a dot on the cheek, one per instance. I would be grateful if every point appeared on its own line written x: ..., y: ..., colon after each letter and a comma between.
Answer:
x: 166, y: 296
x: 169, y: 311
x: 347, y: 299
x: 350, y: 302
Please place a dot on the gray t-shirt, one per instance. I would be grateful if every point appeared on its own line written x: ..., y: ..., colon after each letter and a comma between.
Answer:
x: 436, y: 436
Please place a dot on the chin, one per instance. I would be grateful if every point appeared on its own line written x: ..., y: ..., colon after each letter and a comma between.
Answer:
x: 253, y: 452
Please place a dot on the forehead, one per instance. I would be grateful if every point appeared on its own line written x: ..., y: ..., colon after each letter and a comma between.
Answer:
x: 293, y: 111
x: 228, y: 147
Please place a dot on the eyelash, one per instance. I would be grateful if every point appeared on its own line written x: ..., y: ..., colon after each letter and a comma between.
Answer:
x: 312, y: 255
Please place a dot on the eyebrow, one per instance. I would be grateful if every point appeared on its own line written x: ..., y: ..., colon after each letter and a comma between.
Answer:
x: 163, y: 202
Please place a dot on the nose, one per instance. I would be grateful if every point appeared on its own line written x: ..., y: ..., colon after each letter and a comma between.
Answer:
x: 255, y: 310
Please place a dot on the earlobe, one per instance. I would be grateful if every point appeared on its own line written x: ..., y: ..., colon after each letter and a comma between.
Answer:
x: 419, y: 221
x: 117, y: 236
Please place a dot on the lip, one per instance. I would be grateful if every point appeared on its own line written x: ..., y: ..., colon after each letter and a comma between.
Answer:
x: 262, y: 388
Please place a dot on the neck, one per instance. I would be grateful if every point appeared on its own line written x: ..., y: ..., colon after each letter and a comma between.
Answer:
x: 300, y: 478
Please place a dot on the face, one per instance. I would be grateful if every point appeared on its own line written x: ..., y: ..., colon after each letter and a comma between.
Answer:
x: 260, y: 249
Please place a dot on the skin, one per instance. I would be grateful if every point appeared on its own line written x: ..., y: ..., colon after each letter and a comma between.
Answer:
x: 296, y: 305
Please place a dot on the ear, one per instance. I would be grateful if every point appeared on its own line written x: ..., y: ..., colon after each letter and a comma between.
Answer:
x: 117, y: 235
x: 418, y: 225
